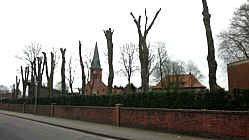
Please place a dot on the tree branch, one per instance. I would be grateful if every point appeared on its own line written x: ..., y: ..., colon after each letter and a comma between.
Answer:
x: 151, y: 24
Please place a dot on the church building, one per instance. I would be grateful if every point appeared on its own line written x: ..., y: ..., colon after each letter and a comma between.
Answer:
x: 95, y: 85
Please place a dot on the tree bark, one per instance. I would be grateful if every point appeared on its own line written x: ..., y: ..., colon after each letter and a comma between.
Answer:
x: 25, y: 77
x: 143, y: 48
x: 63, y: 82
x: 51, y: 75
x: 17, y: 87
x: 83, y: 76
x: 108, y: 35
x: 39, y: 74
x: 71, y: 77
x: 212, y: 65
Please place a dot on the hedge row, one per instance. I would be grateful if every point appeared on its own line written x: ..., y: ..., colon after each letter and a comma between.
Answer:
x: 161, y: 99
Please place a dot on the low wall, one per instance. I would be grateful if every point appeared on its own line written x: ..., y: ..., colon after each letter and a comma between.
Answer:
x: 222, y: 124
x: 95, y: 114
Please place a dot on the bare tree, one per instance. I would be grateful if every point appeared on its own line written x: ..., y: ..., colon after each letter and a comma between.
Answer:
x: 234, y: 43
x: 37, y: 67
x: 71, y: 76
x: 88, y: 66
x: 152, y: 61
x: 16, y: 88
x: 212, y: 64
x: 83, y: 76
x: 63, y: 81
x: 25, y: 76
x: 30, y: 53
x: 192, y: 69
x: 39, y: 73
x: 108, y: 35
x: 50, y: 76
x: 127, y: 61
x: 176, y: 70
x: 161, y: 62
x: 143, y: 48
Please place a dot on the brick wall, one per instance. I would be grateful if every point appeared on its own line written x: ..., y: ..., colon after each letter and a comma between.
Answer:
x: 238, y: 75
x: 43, y: 110
x: 224, y: 124
x: 194, y: 122
x: 95, y: 114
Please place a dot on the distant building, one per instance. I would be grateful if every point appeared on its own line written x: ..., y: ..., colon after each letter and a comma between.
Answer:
x: 44, y: 92
x: 95, y: 85
x: 182, y: 82
x: 9, y: 96
x: 238, y: 75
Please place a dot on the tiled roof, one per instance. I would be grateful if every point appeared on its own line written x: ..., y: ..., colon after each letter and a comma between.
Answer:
x: 187, y: 81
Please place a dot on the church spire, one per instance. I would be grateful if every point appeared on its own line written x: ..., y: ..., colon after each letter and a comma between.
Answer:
x: 96, y: 62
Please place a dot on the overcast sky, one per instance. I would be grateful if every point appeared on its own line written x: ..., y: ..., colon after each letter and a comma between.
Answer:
x: 61, y: 23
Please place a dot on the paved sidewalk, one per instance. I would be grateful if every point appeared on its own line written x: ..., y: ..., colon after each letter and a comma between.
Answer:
x: 110, y: 131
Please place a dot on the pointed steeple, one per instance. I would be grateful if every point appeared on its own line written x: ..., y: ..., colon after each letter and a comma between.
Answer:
x: 96, y: 62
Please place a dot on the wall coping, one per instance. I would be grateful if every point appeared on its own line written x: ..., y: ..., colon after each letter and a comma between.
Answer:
x: 157, y: 109
x: 238, y: 62
x: 187, y: 110
x: 91, y: 107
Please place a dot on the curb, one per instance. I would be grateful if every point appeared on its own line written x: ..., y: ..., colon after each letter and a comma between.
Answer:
x: 66, y: 127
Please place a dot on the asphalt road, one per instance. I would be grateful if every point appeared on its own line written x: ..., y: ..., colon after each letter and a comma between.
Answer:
x: 12, y: 128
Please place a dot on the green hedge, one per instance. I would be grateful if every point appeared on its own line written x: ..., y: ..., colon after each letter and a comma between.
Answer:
x: 155, y: 99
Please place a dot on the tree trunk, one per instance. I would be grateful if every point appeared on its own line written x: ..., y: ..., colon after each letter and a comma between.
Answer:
x: 129, y: 84
x: 143, y: 48
x: 17, y: 87
x: 49, y: 76
x: 71, y: 78
x: 108, y: 35
x: 212, y: 65
x: 144, y: 62
x: 25, y: 77
x: 83, y: 76
x: 39, y: 75
x: 63, y: 81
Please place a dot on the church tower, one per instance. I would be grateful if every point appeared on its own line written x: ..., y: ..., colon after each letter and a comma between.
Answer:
x: 95, y: 85
x: 96, y: 70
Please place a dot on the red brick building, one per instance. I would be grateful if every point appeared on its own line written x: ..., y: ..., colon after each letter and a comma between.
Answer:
x: 184, y: 82
x: 95, y: 85
x: 238, y: 75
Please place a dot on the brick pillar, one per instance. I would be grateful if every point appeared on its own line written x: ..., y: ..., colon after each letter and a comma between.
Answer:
x: 23, y: 108
x: 52, y: 109
x: 117, y: 114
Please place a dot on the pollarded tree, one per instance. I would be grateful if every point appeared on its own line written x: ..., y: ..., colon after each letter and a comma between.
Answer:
x: 71, y: 76
x: 63, y: 77
x: 30, y: 54
x: 234, y: 42
x: 143, y: 48
x: 50, y: 76
x: 212, y: 64
x: 25, y: 76
x: 83, y: 76
x: 39, y: 73
x: 16, y: 90
x: 108, y: 35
